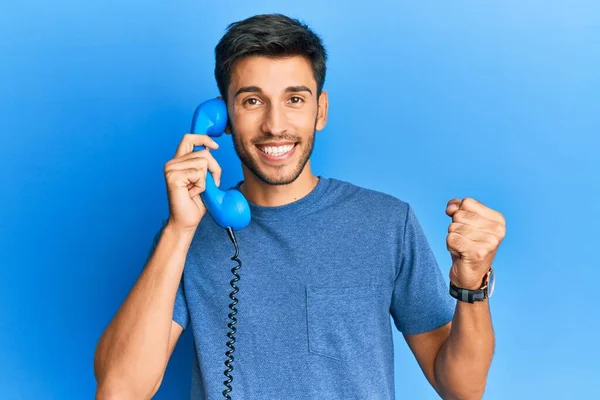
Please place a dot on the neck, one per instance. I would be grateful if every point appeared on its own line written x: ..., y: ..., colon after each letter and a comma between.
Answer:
x: 260, y: 193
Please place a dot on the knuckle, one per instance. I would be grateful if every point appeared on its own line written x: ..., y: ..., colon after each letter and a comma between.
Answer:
x: 461, y: 215
x: 457, y: 243
x: 198, y: 162
x: 502, y: 220
x: 184, y: 139
x: 453, y: 227
x: 468, y: 201
x: 469, y: 214
x: 481, y: 253
x: 194, y: 171
x: 493, y: 241
x: 500, y: 229
x: 448, y: 239
x: 452, y: 238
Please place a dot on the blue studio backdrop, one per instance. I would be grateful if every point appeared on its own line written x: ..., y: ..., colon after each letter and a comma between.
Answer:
x: 428, y: 101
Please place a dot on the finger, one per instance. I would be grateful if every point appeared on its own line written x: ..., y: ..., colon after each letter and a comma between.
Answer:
x: 214, y: 168
x: 490, y: 227
x: 474, y: 219
x: 193, y: 154
x: 452, y: 206
x: 460, y: 244
x: 211, y: 163
x: 469, y: 249
x: 195, y: 163
x: 196, y: 189
x: 457, y: 244
x: 185, y: 177
x: 190, y: 140
x: 451, y: 250
x: 474, y: 234
x: 470, y: 204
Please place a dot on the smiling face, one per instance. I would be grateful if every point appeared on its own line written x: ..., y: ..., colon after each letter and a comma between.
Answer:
x: 274, y: 114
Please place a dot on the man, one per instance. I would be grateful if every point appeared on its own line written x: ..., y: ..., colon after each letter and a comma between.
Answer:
x: 325, y: 262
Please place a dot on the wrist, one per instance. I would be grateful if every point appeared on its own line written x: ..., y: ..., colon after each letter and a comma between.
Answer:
x: 469, y: 281
x: 470, y: 292
x: 469, y: 285
x: 179, y: 232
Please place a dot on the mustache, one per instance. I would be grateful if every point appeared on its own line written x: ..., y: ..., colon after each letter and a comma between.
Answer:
x: 275, y: 138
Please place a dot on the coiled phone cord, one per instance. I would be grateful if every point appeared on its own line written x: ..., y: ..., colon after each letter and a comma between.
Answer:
x: 231, y: 325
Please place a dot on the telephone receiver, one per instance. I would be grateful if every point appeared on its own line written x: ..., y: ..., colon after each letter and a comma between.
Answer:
x: 229, y: 208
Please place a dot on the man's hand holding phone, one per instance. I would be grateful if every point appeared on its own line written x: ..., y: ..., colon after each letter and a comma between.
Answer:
x: 185, y: 176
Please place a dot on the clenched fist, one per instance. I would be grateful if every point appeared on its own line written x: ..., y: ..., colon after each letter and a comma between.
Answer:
x: 185, y: 177
x: 473, y: 237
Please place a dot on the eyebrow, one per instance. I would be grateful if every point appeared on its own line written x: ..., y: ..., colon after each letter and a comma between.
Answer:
x: 256, y: 89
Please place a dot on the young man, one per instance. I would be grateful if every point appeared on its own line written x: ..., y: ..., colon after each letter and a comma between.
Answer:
x: 325, y: 262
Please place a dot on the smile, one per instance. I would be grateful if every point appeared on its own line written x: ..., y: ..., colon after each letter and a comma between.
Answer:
x: 276, y: 151
x: 271, y: 154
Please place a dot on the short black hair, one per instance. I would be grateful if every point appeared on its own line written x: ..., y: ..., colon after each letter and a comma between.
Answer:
x: 269, y: 35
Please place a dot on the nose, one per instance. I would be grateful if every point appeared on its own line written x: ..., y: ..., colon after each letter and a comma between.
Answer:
x: 275, y: 121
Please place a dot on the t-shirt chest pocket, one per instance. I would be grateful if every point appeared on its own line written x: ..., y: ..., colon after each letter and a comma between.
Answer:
x: 342, y: 321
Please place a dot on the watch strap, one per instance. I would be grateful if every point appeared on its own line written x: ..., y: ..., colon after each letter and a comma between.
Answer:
x: 467, y: 295
x: 471, y: 296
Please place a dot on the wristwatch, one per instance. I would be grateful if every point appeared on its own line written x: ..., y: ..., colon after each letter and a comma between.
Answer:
x: 471, y: 296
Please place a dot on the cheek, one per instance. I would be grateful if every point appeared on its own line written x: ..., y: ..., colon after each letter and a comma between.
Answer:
x: 302, y: 120
x: 240, y: 126
x: 245, y: 124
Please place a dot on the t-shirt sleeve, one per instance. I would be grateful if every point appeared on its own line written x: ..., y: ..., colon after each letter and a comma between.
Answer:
x: 180, y: 309
x: 420, y: 300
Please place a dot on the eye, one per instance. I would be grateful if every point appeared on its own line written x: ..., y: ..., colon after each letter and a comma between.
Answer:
x: 251, y: 101
x: 296, y: 100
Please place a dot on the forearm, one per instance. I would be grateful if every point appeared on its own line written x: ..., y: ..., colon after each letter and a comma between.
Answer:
x: 463, y: 362
x: 131, y: 354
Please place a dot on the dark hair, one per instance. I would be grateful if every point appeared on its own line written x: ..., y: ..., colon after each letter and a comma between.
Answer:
x: 269, y: 35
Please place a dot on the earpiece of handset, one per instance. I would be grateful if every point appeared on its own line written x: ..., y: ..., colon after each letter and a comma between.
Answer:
x: 229, y: 208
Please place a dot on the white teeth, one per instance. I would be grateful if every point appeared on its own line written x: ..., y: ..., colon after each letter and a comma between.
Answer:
x: 277, y: 151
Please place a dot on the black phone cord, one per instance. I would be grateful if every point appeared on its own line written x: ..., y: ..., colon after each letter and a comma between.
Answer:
x: 231, y: 325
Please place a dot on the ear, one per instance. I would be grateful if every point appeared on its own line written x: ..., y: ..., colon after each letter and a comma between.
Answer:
x: 322, y: 110
x: 228, y: 125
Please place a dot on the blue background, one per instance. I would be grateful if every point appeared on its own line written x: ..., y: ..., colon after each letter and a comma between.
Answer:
x: 493, y: 100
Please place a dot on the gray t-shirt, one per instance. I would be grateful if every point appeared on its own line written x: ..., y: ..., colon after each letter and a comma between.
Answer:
x: 320, y: 278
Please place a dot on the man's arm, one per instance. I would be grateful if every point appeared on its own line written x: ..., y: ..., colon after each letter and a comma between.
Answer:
x: 176, y: 331
x: 456, y: 358
x: 133, y: 352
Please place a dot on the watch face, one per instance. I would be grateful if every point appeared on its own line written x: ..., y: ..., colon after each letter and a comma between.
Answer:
x: 491, y: 283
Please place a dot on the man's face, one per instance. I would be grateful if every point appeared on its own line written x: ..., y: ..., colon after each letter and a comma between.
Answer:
x: 274, y: 115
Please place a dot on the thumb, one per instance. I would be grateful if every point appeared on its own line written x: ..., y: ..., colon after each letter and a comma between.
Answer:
x: 452, y: 207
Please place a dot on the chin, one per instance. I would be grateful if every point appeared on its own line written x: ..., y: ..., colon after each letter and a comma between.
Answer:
x: 278, y: 177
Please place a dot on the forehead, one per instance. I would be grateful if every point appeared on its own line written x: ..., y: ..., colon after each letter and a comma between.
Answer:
x: 272, y: 75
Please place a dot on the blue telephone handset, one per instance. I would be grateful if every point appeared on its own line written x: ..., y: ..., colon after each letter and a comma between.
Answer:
x: 229, y: 208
